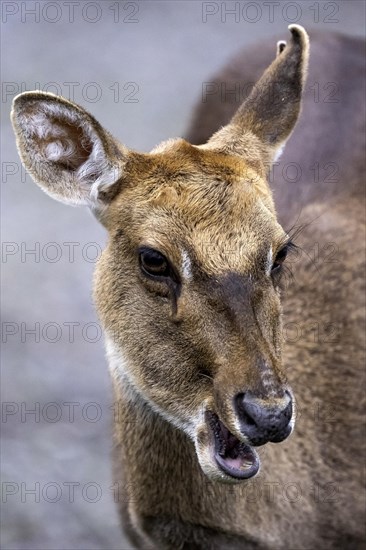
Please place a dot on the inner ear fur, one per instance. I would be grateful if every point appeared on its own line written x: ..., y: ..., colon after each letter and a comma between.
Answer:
x: 65, y: 149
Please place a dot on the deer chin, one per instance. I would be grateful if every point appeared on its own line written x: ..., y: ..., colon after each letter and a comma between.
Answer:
x: 233, y: 457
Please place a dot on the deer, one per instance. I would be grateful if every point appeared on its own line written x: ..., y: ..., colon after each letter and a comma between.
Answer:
x: 192, y: 294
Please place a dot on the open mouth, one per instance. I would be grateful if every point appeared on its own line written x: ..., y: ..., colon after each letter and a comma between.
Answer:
x: 233, y: 457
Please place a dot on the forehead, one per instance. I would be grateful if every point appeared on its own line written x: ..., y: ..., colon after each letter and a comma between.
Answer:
x: 194, y: 202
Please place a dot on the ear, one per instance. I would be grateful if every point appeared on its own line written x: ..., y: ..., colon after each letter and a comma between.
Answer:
x: 65, y: 149
x: 268, y: 116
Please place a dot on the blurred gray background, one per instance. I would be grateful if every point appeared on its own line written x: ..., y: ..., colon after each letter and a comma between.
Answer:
x: 139, y: 68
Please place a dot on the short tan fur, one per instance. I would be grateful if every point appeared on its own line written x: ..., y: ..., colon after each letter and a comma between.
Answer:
x: 188, y: 292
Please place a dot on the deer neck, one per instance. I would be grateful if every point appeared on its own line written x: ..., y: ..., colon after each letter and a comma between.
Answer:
x: 153, y: 448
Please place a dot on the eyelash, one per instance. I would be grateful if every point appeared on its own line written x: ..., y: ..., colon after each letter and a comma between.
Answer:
x: 280, y: 258
x: 281, y: 270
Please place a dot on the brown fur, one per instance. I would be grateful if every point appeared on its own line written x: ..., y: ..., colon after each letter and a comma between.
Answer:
x: 176, y: 350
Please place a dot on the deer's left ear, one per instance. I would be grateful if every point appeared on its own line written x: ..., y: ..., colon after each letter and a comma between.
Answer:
x: 267, y: 117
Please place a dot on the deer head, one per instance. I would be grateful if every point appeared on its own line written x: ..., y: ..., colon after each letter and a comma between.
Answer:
x: 188, y: 286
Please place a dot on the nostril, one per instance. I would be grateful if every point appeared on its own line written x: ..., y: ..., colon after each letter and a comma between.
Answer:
x: 287, y: 413
x: 289, y: 397
x: 245, y: 418
x: 248, y: 420
x: 248, y: 411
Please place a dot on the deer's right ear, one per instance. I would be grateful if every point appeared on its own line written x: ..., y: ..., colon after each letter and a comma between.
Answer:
x: 65, y: 149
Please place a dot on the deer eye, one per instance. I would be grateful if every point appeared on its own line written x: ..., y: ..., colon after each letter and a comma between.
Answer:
x: 153, y: 263
x: 280, y: 258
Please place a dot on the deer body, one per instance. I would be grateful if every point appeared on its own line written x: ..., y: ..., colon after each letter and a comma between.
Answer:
x: 187, y: 292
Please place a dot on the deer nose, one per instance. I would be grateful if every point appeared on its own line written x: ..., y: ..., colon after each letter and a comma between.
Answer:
x: 262, y: 421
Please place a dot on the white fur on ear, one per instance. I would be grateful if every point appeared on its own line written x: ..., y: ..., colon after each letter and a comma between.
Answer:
x: 281, y: 45
x: 279, y: 152
x: 64, y: 148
